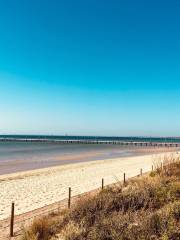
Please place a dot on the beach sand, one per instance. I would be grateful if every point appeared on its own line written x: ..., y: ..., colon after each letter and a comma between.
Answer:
x: 37, y: 188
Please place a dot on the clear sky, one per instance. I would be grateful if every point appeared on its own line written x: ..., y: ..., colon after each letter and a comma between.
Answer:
x: 89, y: 67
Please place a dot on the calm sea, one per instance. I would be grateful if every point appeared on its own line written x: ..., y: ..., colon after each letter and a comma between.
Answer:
x: 51, y: 138
x: 18, y: 156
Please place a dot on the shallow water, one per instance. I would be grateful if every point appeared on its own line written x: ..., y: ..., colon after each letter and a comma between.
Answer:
x: 21, y: 156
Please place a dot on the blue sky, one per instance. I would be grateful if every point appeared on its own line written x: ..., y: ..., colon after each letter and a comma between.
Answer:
x: 90, y: 67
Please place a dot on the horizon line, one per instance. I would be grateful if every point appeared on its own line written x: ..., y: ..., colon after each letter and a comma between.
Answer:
x: 67, y: 135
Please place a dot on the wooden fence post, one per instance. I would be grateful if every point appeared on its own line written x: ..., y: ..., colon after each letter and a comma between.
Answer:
x: 12, y: 221
x: 141, y: 171
x: 124, y: 178
x: 102, y: 183
x: 69, y: 198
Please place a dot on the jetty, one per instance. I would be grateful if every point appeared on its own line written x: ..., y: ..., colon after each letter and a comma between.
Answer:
x: 85, y: 141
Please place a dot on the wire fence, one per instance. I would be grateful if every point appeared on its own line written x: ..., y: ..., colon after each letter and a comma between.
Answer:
x: 22, y: 220
x: 9, y: 227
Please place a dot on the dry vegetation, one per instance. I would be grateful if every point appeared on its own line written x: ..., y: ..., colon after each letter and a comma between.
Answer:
x: 147, y: 208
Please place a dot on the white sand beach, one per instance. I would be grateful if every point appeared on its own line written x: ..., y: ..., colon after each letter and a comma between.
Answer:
x: 37, y: 188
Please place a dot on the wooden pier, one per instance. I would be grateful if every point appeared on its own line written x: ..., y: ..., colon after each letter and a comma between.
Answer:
x: 84, y: 141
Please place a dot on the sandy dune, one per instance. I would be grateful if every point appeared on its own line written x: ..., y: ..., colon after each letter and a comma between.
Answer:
x: 37, y: 188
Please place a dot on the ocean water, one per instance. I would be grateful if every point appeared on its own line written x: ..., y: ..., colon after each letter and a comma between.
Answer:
x: 18, y: 156
x: 51, y: 138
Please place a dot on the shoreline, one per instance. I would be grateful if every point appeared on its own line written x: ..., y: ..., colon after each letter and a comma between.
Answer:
x: 37, y: 171
x: 37, y: 188
x: 67, y: 156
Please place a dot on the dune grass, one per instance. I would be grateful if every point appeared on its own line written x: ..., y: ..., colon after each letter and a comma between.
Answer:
x: 146, y: 208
